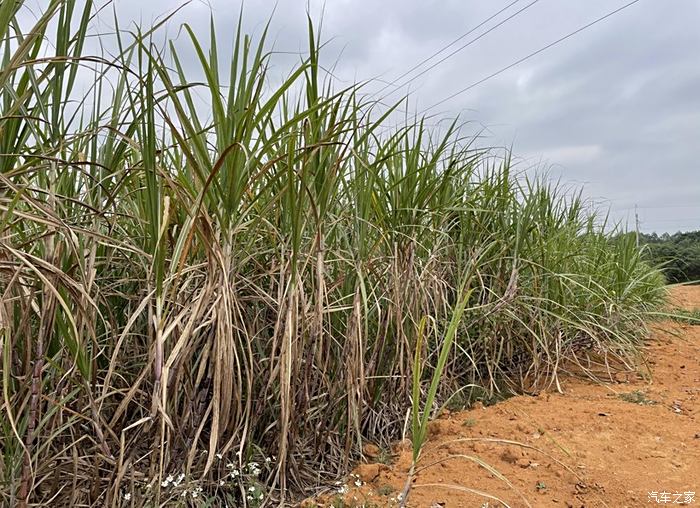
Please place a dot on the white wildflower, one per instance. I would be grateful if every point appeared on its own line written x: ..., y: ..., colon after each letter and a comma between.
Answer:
x: 127, y: 496
x: 219, y: 456
x: 178, y: 480
x: 254, y: 468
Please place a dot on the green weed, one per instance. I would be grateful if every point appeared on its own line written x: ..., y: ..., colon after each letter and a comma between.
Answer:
x: 636, y: 397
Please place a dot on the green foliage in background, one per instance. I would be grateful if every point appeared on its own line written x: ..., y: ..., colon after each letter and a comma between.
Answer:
x: 678, y: 255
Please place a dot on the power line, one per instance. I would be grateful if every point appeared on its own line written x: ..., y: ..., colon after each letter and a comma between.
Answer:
x: 679, y: 219
x: 655, y: 207
x: 444, y: 48
x: 464, y: 46
x: 534, y: 53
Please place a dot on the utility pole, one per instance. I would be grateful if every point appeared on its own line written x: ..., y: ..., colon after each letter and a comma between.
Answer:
x: 636, y: 223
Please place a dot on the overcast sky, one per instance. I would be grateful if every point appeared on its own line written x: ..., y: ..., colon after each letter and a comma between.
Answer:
x: 615, y: 108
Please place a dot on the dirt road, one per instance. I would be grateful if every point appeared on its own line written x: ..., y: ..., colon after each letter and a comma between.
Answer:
x: 630, y: 443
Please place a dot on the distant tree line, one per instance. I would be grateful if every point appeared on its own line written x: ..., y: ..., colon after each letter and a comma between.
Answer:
x: 679, y: 254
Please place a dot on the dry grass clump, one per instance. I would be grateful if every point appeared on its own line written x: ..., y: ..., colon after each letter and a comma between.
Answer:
x: 218, y: 304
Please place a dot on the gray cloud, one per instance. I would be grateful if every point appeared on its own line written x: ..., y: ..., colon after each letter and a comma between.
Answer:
x: 617, y: 107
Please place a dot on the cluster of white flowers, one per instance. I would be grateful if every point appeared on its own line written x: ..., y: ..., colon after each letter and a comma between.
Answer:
x: 247, y: 474
x: 172, y: 481
x: 254, y: 468
x: 396, y: 499
x: 254, y: 494
x: 195, y: 492
x: 235, y: 473
x: 343, y: 489
x: 358, y: 481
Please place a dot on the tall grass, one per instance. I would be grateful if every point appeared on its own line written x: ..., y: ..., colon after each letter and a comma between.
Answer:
x: 192, y: 290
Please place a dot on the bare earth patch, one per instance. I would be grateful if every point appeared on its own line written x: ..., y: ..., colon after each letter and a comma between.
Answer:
x: 626, y: 444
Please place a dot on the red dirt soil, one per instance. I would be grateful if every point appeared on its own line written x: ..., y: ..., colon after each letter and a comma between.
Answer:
x: 629, y: 443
